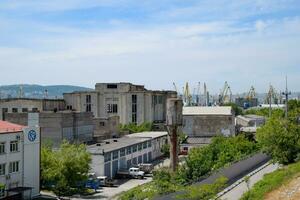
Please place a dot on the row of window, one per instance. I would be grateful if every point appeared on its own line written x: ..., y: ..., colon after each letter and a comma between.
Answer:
x: 15, y: 110
x: 14, y: 147
x: 12, y: 168
x: 127, y: 151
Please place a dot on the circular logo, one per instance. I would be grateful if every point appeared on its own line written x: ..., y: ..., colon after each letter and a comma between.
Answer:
x: 31, y: 135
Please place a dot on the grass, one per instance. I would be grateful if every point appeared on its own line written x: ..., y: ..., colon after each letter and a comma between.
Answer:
x: 272, y: 181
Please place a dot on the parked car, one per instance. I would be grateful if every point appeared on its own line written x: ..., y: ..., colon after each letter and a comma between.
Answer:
x: 146, y: 167
x: 105, y: 181
x: 132, y: 172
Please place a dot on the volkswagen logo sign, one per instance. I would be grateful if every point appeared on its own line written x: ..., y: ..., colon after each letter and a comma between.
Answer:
x: 31, y: 135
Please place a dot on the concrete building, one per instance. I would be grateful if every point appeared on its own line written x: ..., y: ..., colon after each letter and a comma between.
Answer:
x: 19, y: 161
x: 58, y: 126
x: 208, y: 121
x: 249, y: 123
x: 131, y: 103
x: 105, y: 128
x: 112, y: 155
x: 24, y: 105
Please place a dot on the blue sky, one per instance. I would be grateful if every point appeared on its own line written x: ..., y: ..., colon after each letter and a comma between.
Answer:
x: 155, y: 43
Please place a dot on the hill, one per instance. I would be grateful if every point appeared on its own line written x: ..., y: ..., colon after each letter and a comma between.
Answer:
x: 38, y: 91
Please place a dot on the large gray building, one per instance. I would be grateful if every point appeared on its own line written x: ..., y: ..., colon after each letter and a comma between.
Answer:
x: 58, y: 126
x: 132, y: 103
x: 24, y: 105
x: 208, y: 121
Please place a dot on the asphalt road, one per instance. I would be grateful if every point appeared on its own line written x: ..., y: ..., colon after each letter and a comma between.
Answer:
x: 234, y: 172
x: 237, y: 192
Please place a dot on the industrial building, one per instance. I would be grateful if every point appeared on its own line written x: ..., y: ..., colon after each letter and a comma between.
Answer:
x: 200, y: 124
x: 208, y: 121
x: 246, y: 102
x: 111, y: 155
x: 19, y: 160
x: 58, y: 126
x: 249, y: 123
x: 24, y: 105
x: 132, y: 103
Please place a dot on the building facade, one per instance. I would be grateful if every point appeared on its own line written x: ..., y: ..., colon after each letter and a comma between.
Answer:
x: 208, y: 121
x: 24, y: 105
x: 131, y: 103
x: 58, y: 126
x: 113, y: 155
x: 19, y: 161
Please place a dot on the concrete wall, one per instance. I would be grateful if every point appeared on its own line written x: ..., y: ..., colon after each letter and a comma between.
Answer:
x: 208, y: 125
x: 30, y: 104
x: 105, y: 128
x: 56, y: 127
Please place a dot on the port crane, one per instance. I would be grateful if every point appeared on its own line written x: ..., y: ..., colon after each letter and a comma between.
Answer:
x: 225, y: 95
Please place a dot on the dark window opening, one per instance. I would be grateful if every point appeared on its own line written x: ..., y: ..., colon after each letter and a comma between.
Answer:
x: 112, y: 86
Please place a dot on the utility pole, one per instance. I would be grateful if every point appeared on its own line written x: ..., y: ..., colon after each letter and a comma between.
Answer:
x: 286, y: 94
x: 173, y: 122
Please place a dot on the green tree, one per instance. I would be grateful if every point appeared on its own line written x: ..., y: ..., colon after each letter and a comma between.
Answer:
x: 280, y: 139
x: 165, y: 149
x: 64, y: 170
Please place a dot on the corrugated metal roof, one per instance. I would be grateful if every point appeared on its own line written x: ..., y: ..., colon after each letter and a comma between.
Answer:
x: 199, y: 110
x: 150, y: 134
x: 7, y: 127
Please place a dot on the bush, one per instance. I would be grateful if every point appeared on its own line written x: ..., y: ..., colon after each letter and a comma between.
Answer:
x: 204, y: 192
x: 134, y: 128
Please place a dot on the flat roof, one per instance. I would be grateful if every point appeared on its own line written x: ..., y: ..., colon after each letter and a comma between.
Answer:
x: 201, y: 110
x: 7, y: 127
x: 125, y: 141
x: 148, y: 134
x: 112, y: 145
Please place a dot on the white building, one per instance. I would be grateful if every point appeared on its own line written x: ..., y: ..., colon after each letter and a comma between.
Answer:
x: 19, y: 160
x: 112, y: 155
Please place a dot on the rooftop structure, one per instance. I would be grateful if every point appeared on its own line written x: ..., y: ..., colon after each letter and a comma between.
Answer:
x: 216, y: 110
x: 7, y: 127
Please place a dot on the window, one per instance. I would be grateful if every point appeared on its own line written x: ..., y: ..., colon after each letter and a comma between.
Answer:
x: 69, y: 107
x: 112, y: 86
x: 35, y: 109
x: 2, y: 147
x: 149, y: 143
x: 140, y: 147
x: 14, y: 110
x: 134, y: 148
x: 88, y: 101
x: 14, y: 146
x: 14, y: 167
x: 115, y: 155
x: 134, y: 108
x: 107, y: 157
x: 128, y: 150
x: 102, y: 123
x: 112, y: 108
x: 24, y: 109
x: 144, y: 145
x: 122, y: 152
x: 2, y: 169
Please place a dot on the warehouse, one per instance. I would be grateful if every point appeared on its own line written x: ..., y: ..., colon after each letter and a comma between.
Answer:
x: 208, y: 121
x: 121, y: 153
x: 19, y: 160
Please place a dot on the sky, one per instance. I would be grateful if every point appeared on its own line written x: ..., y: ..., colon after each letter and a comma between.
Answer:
x: 153, y: 43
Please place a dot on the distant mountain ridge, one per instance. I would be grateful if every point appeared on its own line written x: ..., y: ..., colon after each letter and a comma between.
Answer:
x: 38, y: 91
